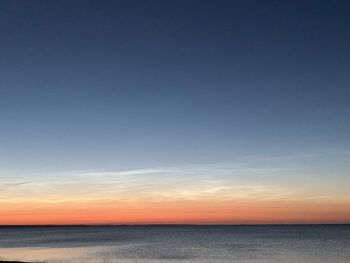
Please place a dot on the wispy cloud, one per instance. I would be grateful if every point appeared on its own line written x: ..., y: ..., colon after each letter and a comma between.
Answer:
x: 5, y: 187
x: 306, y: 155
x: 184, y: 182
x: 252, y: 178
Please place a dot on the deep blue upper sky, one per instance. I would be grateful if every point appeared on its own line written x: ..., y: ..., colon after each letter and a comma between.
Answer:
x: 117, y: 84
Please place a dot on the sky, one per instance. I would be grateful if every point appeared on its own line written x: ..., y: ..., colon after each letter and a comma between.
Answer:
x: 144, y: 111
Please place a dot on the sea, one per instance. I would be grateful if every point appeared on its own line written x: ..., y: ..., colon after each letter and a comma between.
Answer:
x: 177, y: 243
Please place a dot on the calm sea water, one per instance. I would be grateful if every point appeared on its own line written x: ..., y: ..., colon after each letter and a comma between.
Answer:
x: 243, y: 244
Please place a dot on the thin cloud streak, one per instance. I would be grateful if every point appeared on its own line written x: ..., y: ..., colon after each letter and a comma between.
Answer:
x: 248, y: 179
x: 5, y: 187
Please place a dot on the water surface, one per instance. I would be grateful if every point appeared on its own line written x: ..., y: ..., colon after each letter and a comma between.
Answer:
x: 241, y: 244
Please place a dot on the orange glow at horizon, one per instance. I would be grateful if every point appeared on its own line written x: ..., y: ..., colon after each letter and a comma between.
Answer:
x: 175, y: 212
x: 214, y: 194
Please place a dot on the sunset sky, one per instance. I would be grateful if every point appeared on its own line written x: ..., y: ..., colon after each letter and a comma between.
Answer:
x: 206, y: 112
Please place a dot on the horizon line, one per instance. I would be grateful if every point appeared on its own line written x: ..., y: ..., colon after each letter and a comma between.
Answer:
x: 97, y: 225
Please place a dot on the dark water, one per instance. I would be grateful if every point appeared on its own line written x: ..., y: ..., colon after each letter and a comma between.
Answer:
x: 248, y: 244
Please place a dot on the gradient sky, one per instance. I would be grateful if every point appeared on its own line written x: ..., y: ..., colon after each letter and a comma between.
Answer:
x: 174, y: 111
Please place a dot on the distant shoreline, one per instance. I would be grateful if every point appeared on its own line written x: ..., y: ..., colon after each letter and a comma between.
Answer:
x: 169, y: 225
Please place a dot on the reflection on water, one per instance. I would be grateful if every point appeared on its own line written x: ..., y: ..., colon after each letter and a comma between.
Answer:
x: 241, y: 244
